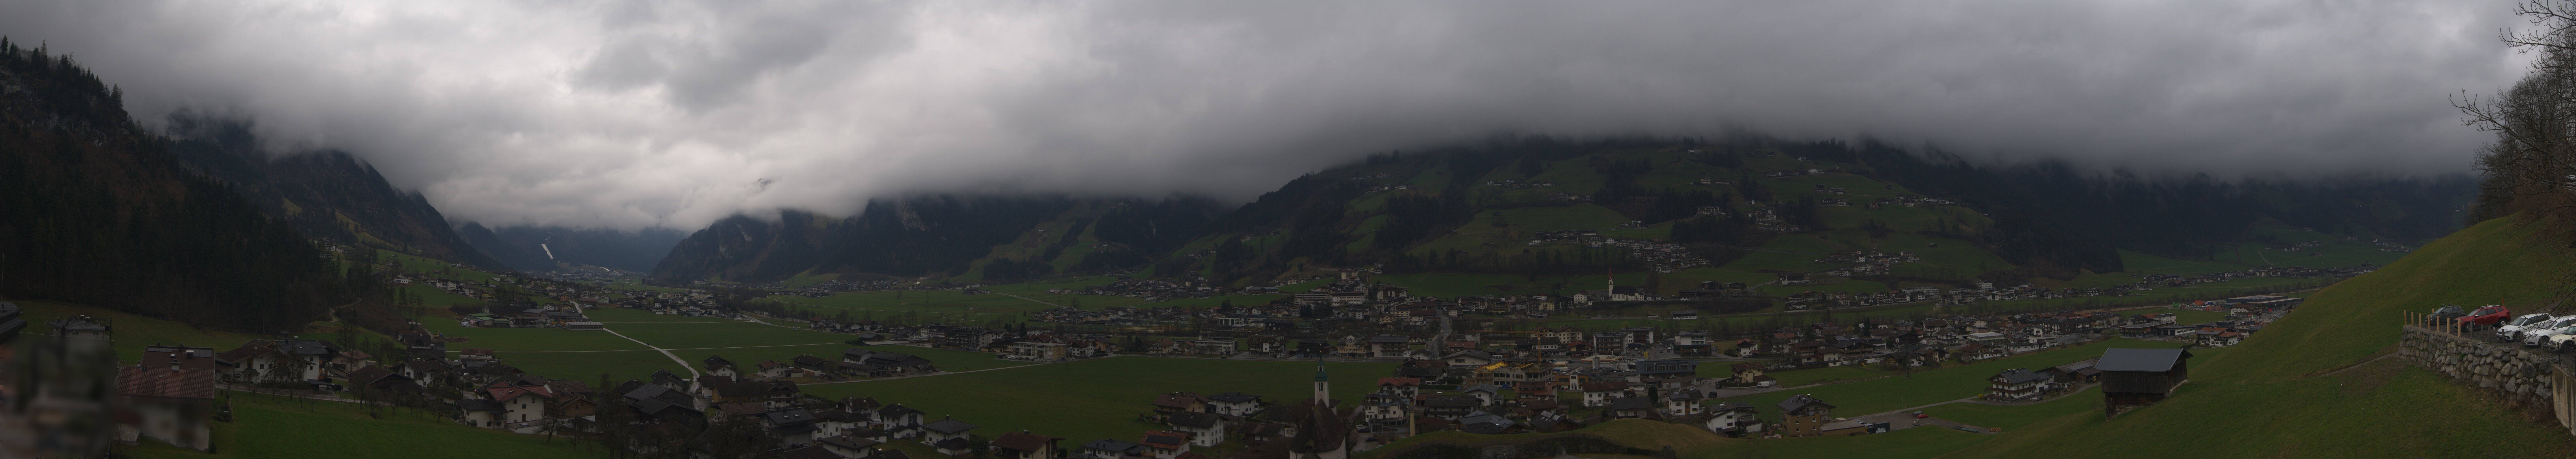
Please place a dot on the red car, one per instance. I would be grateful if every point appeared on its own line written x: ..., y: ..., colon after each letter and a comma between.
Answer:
x: 2486, y: 316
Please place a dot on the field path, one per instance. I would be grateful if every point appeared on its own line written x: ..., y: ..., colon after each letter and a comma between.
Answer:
x: 678, y: 349
x: 945, y: 373
x: 675, y: 358
x: 1027, y: 298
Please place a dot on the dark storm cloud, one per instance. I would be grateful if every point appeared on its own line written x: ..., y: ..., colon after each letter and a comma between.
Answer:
x: 630, y: 114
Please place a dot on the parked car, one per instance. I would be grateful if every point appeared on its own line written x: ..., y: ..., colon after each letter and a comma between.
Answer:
x: 2512, y: 329
x: 2558, y: 339
x: 2536, y: 336
x: 2485, y: 316
x: 2444, y: 315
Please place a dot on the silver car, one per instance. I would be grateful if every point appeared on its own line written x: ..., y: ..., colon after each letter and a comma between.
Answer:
x: 2534, y: 336
x: 2512, y: 329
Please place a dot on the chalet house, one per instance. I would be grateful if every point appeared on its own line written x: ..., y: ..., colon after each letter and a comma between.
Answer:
x: 1468, y: 358
x: 773, y: 369
x: 792, y: 426
x: 1113, y: 449
x: 529, y: 400
x: 1168, y: 404
x: 1733, y: 419
x: 1403, y: 387
x: 899, y: 421
x: 716, y: 365
x: 1629, y: 407
x: 1212, y: 346
x: 1166, y: 444
x: 768, y: 394
x: 1450, y: 406
x: 282, y: 360
x: 1205, y: 429
x: 844, y: 446
x: 658, y: 403
x: 851, y: 416
x: 968, y: 338
x: 893, y: 362
x: 1748, y: 374
x: 1542, y: 410
x: 483, y: 413
x: 1485, y: 394
x: 1038, y: 351
x: 1978, y: 351
x: 1530, y: 391
x: 1384, y: 409
x: 252, y: 362
x: 81, y: 327
x: 1489, y: 424
x: 1804, y: 415
x: 2016, y: 385
x: 1235, y: 404
x: 166, y: 398
x: 1682, y: 403
x: 2075, y: 373
x: 1024, y: 445
x: 382, y: 381
x: 2220, y: 338
x: 948, y: 435
x: 1669, y: 374
x: 1598, y: 394
x: 426, y: 372
x: 810, y: 364
x: 1390, y: 346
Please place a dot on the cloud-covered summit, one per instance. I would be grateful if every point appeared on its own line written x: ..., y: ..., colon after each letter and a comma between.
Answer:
x: 676, y: 113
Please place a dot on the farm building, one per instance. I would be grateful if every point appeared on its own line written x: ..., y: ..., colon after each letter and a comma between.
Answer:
x: 2140, y: 377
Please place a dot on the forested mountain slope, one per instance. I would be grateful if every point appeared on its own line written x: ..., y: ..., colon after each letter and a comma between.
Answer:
x: 538, y: 248
x: 977, y: 237
x: 327, y: 194
x: 1747, y: 209
x: 93, y: 209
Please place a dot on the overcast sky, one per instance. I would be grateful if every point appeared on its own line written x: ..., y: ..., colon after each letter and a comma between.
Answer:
x: 676, y: 113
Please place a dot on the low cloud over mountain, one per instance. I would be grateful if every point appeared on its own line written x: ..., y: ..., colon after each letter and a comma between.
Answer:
x: 678, y: 113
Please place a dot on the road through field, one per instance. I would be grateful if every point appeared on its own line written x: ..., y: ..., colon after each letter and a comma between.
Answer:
x: 675, y: 358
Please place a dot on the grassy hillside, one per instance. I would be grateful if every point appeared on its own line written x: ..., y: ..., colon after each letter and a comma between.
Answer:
x: 2271, y: 396
x: 1093, y: 399
x: 2293, y: 390
x: 271, y: 426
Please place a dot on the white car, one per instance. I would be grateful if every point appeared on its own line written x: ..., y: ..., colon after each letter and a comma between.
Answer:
x: 2511, y: 330
x: 2537, y: 335
x: 2558, y: 339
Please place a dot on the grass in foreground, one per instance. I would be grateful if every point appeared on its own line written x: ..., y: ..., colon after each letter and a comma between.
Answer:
x: 270, y: 426
x: 2277, y: 394
x: 1935, y: 386
x: 1094, y: 399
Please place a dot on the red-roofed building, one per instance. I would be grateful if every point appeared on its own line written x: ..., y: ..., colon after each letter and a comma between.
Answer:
x: 1404, y: 387
x: 526, y: 399
x: 164, y: 399
x: 1166, y: 444
x: 1025, y: 445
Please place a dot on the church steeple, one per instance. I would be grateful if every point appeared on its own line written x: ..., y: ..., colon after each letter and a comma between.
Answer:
x: 1323, y: 385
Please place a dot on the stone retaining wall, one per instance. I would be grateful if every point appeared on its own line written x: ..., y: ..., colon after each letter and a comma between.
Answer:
x: 2507, y: 368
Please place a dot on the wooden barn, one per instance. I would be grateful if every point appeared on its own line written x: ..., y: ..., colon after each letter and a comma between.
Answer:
x: 2140, y: 377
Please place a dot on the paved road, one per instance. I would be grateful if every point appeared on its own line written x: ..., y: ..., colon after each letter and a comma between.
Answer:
x: 684, y: 364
